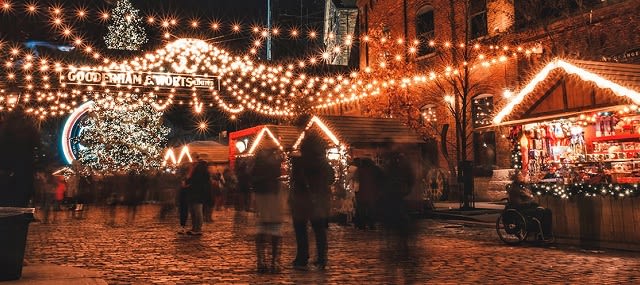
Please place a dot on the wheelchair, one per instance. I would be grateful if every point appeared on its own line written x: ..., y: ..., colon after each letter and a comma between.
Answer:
x: 514, y: 227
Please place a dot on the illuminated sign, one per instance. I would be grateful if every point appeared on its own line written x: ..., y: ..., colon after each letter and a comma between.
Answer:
x: 139, y: 79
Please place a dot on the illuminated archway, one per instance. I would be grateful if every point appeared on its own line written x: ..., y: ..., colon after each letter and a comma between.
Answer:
x: 71, y: 130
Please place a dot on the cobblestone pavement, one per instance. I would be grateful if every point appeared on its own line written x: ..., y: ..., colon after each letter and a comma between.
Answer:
x: 147, y: 250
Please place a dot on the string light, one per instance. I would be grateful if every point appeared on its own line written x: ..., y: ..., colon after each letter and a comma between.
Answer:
x: 272, y: 87
x: 571, y: 69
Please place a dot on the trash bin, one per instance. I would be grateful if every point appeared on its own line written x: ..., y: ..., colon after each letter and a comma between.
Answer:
x: 14, y: 225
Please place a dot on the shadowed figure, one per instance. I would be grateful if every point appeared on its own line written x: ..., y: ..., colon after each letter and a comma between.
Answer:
x: 182, y: 199
x: 243, y: 178
x: 370, y: 182
x: 311, y: 178
x: 399, y: 180
x: 199, y: 185
x: 18, y: 140
x: 135, y: 192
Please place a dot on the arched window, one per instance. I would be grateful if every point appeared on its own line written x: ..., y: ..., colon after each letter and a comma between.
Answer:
x: 482, y: 108
x: 425, y: 29
x: 429, y: 114
x: 484, y: 143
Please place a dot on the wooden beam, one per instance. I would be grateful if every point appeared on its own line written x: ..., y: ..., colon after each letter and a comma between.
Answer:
x: 543, y: 98
x: 565, y: 100
x: 550, y: 117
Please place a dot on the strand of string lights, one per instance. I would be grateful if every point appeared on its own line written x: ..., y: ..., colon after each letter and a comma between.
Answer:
x: 244, y: 84
x: 61, y: 19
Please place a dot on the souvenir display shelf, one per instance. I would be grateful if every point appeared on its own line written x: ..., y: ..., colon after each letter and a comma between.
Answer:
x: 598, y: 148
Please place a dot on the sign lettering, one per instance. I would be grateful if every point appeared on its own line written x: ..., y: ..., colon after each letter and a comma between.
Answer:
x: 139, y: 79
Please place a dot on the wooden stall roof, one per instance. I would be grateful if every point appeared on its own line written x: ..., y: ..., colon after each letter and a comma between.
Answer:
x: 627, y: 75
x: 209, y: 151
x: 286, y: 134
x: 564, y: 87
x: 361, y: 130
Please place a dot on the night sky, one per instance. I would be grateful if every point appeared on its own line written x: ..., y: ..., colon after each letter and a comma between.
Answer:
x: 18, y: 28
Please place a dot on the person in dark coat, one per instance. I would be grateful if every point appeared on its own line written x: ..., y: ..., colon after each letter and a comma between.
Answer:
x: 199, y: 184
x: 521, y: 197
x: 400, y: 178
x: 183, y: 200
x: 311, y: 178
x: 370, y: 181
x: 243, y: 185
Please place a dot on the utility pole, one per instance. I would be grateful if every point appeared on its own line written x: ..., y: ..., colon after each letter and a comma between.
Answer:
x: 269, y: 29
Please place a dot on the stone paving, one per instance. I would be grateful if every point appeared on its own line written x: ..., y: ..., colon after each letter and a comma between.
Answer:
x: 145, y: 249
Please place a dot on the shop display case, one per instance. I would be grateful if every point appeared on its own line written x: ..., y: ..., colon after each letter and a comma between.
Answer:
x: 590, y: 149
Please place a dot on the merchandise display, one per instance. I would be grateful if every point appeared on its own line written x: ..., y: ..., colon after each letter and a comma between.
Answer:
x: 597, y: 148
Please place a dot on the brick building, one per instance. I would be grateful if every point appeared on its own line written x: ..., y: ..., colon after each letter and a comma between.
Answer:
x: 587, y: 30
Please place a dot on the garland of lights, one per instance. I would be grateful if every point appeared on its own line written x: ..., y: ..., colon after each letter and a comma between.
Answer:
x: 168, y: 22
x: 252, y: 87
x: 584, y: 189
x: 246, y: 86
x: 516, y: 151
x: 125, y: 31
x: 570, y: 69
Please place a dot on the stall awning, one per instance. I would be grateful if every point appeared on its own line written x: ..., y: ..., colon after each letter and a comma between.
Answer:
x: 209, y: 151
x: 564, y: 88
x: 363, y: 130
x: 248, y: 141
x: 547, y: 118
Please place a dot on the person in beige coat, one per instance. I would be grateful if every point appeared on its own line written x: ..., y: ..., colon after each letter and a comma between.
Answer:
x: 270, y: 199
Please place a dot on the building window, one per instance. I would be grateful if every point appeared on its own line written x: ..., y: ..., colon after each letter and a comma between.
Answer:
x: 484, y: 144
x: 425, y: 30
x: 429, y: 115
x: 477, y: 18
x: 481, y: 111
x: 484, y: 153
x: 530, y: 14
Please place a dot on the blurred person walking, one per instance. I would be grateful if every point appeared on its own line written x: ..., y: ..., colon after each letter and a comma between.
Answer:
x: 370, y: 179
x: 135, y: 192
x: 183, y: 201
x: 270, y: 206
x: 229, y: 186
x: 210, y: 201
x: 400, y: 178
x: 61, y: 189
x: 199, y: 187
x: 218, y: 198
x: 311, y: 178
x: 48, y: 197
x: 243, y: 185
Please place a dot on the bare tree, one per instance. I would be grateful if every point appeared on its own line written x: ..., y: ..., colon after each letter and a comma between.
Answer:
x: 453, y: 83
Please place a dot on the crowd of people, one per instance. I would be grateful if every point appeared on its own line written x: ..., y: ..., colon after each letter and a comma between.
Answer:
x: 300, y: 190
x: 278, y: 187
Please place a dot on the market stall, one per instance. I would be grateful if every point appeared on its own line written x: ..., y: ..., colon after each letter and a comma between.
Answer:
x: 215, y: 154
x: 574, y: 131
x: 351, y: 137
x: 244, y: 143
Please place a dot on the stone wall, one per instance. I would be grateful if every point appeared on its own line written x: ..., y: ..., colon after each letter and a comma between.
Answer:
x: 492, y: 189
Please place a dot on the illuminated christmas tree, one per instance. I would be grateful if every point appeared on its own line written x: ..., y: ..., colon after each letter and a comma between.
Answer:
x: 125, y: 31
x: 117, y: 138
